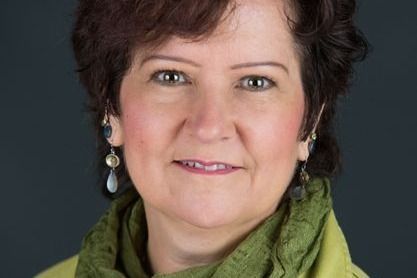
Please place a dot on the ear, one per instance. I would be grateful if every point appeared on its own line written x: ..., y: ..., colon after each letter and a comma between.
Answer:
x: 303, y: 152
x: 117, y: 137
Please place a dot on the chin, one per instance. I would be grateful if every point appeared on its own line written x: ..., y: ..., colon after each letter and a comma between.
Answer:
x: 207, y: 215
x: 208, y: 221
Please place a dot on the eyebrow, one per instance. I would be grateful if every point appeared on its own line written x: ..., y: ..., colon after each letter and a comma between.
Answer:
x: 190, y: 62
x: 169, y: 58
x: 257, y: 64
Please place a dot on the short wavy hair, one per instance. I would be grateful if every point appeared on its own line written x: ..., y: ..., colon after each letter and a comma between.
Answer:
x: 107, y: 33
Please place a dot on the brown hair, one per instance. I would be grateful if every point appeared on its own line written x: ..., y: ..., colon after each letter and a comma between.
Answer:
x: 107, y: 33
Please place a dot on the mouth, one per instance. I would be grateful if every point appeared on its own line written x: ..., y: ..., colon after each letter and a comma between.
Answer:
x: 202, y: 167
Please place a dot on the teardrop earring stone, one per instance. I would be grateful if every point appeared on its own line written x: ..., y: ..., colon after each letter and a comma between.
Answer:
x: 112, y: 183
x: 298, y: 192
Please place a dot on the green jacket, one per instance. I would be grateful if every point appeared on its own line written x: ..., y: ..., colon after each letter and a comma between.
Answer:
x: 333, y: 260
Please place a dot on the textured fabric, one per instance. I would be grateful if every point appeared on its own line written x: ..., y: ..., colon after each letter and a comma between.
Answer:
x: 284, y: 245
x: 302, y: 239
x: 332, y: 261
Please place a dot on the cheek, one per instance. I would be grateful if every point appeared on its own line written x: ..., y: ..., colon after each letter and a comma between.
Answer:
x: 149, y: 129
x: 275, y: 135
x: 145, y: 123
x: 280, y: 155
x: 270, y: 137
x: 146, y: 131
x: 147, y: 119
x: 135, y: 125
x: 274, y: 148
x: 141, y: 140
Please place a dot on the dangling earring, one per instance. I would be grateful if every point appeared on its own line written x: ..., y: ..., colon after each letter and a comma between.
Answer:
x: 112, y: 160
x: 298, y: 191
x: 312, y: 144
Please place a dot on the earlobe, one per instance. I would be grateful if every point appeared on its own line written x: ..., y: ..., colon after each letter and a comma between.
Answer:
x: 116, y: 139
x: 303, y: 152
x: 305, y: 148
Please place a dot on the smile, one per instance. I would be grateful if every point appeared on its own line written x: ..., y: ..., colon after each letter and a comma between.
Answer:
x: 200, y: 167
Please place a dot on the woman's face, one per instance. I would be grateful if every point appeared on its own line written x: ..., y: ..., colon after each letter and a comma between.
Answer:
x: 233, y: 99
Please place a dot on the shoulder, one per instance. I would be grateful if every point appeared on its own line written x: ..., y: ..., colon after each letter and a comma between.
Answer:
x: 358, y: 273
x: 335, y: 237
x: 333, y: 259
x: 63, y: 269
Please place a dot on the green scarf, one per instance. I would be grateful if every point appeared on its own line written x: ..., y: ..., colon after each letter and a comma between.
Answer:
x: 285, y: 245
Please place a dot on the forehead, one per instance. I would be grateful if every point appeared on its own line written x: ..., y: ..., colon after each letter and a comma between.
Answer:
x: 253, y: 30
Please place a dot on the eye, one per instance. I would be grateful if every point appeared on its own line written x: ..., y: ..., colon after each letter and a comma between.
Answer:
x: 256, y: 83
x: 170, y: 77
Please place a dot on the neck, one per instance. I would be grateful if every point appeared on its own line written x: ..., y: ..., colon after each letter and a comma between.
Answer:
x: 175, y: 246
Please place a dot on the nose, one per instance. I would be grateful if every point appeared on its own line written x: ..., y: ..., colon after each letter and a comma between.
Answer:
x: 211, y: 118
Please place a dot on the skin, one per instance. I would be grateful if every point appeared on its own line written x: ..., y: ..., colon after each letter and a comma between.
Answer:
x: 212, y: 114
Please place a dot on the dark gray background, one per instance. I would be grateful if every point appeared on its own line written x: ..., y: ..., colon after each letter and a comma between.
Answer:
x: 49, y: 197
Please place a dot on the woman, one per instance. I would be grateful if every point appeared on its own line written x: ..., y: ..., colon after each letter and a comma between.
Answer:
x: 218, y: 114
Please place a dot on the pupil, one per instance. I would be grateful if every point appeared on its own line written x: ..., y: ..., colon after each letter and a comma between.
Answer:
x: 171, y: 77
x: 256, y: 82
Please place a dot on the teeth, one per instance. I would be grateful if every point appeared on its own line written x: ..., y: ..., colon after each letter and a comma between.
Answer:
x: 188, y: 163
x: 198, y: 165
x: 221, y: 166
x: 211, y: 167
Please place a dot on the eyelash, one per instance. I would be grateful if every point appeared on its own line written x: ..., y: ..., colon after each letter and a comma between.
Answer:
x: 155, y: 77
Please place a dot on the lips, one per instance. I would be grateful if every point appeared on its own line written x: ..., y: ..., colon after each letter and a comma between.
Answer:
x: 212, y: 167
